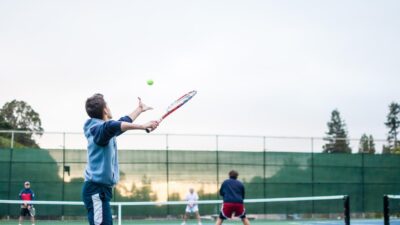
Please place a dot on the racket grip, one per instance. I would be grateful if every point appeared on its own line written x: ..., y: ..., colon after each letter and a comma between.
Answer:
x: 148, y: 130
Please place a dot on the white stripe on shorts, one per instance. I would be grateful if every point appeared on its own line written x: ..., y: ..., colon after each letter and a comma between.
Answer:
x: 222, y: 211
x: 97, y: 209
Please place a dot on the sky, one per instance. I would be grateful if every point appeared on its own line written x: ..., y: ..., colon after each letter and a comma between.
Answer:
x: 260, y: 67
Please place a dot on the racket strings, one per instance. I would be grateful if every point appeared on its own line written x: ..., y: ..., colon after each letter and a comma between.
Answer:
x: 182, y: 100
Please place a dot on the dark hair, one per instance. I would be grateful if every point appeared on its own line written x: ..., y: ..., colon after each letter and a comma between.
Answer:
x: 233, y: 174
x: 95, y: 106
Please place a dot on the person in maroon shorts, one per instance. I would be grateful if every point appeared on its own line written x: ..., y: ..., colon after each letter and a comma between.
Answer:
x: 232, y: 192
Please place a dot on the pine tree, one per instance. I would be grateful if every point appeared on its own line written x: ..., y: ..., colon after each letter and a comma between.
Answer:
x: 371, y: 144
x: 336, y: 135
x: 367, y: 144
x: 393, y: 123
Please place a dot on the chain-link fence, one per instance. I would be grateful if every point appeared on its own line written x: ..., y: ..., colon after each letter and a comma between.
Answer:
x: 164, y: 166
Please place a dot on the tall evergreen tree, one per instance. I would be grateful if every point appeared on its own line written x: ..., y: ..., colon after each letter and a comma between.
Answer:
x: 336, y: 135
x: 371, y: 144
x: 367, y: 144
x: 393, y: 124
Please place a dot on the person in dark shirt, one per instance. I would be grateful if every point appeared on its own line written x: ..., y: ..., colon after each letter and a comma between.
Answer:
x: 232, y: 192
x: 26, y: 194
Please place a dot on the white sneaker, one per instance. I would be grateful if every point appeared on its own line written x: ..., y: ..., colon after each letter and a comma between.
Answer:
x: 183, y: 223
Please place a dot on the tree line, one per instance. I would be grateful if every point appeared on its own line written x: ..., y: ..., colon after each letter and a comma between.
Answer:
x: 19, y: 115
x: 338, y: 141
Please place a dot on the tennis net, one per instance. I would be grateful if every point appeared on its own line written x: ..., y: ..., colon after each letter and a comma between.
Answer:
x: 303, y: 209
x: 391, y: 209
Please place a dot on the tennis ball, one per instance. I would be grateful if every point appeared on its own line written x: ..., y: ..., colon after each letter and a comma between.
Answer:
x: 150, y: 82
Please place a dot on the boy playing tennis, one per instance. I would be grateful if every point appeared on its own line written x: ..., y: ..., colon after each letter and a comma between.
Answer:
x: 102, y: 171
x: 192, y: 206
x: 26, y: 194
x: 232, y: 192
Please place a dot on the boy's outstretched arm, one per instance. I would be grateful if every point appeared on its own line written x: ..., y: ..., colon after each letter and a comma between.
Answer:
x: 131, y: 126
x: 103, y: 133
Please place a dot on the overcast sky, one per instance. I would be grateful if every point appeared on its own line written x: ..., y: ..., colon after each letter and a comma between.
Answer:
x: 260, y: 67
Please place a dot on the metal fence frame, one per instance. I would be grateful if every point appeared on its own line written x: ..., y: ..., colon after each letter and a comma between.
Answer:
x: 264, y: 139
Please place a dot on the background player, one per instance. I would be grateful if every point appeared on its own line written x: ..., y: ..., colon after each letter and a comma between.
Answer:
x: 232, y: 192
x: 191, y: 207
x: 26, y: 194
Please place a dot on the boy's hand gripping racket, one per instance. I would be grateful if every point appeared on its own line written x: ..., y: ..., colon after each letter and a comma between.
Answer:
x: 176, y: 105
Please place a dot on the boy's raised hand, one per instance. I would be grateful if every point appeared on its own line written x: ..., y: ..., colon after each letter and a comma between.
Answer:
x: 143, y: 107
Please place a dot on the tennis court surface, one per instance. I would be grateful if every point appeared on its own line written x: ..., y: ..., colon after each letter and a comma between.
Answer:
x: 178, y: 222
x: 293, y: 219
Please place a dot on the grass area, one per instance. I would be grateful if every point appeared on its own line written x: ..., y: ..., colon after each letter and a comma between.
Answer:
x: 6, y: 143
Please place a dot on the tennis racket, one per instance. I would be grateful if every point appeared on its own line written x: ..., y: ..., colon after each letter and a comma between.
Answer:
x: 176, y: 105
x: 32, y: 211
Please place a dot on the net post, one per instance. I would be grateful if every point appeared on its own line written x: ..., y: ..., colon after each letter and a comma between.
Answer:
x: 119, y: 214
x: 346, y: 202
x: 386, y: 218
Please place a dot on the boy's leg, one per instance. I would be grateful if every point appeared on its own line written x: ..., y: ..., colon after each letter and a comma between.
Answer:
x: 22, y: 215
x: 87, y: 190
x: 198, y: 217
x: 97, y: 202
x: 245, y: 221
x: 32, y: 219
x: 242, y: 214
x: 185, y: 216
x: 107, y: 214
x: 219, y: 221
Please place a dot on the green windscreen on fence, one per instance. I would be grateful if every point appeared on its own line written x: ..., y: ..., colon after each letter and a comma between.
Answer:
x: 161, y: 175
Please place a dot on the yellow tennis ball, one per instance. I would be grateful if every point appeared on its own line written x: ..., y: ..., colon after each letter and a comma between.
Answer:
x: 150, y: 82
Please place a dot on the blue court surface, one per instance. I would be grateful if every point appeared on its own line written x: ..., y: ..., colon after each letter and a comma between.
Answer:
x: 192, y: 222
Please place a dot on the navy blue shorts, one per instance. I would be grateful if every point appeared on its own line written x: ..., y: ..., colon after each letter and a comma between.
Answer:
x: 97, y: 202
x: 25, y: 212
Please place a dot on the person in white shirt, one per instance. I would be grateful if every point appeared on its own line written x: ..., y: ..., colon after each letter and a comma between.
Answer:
x: 192, y: 206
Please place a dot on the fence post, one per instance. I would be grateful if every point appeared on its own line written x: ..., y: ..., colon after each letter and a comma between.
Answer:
x: 312, y: 175
x: 12, y: 139
x: 265, y: 171
x: 363, y: 184
x: 10, y: 169
x: 217, y: 161
x: 167, y: 169
x: 63, y: 177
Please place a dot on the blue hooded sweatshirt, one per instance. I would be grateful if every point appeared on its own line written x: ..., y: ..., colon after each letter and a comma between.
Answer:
x: 102, y: 155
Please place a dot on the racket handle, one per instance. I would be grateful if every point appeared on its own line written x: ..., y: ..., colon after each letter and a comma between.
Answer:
x: 148, y: 130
